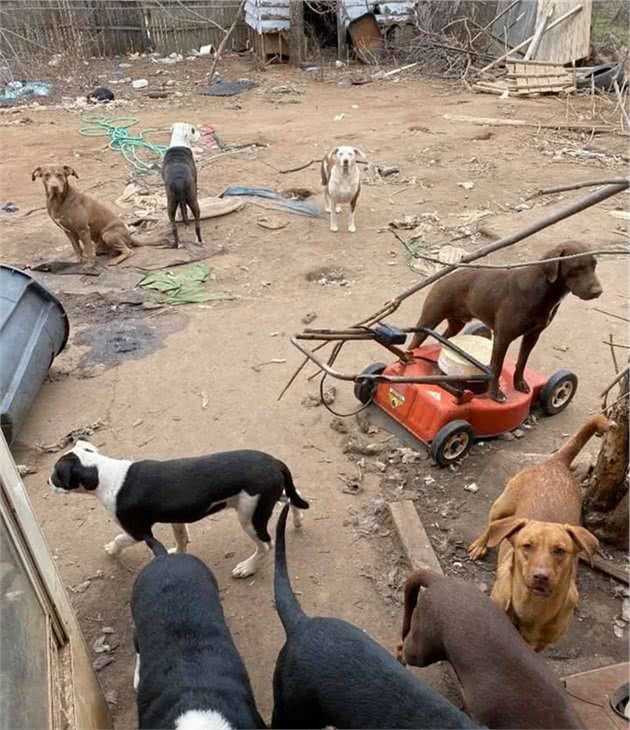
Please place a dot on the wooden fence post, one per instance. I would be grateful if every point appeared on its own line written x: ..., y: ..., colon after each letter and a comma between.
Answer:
x: 296, y: 32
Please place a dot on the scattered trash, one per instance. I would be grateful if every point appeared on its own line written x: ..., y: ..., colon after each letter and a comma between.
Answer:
x: 561, y: 348
x: 276, y: 361
x: 353, y: 485
x: 82, y: 587
x: 205, y: 400
x: 17, y: 89
x: 309, y: 317
x: 518, y: 433
x: 387, y: 170
x: 8, y: 208
x: 279, y: 201
x: 24, y: 470
x: 184, y: 287
x: 137, y: 422
x: 506, y: 436
x: 314, y: 401
x: 429, y: 480
x: 339, y: 117
x: 327, y: 276
x: 339, y: 425
x: 472, y: 487
x: 622, y: 214
x: 102, y: 661
x: 228, y: 88
x: 206, y: 50
x: 101, y: 95
x: 139, y: 84
x: 408, y: 456
x: 406, y: 223
x: 272, y: 224
x: 82, y: 433
x: 466, y: 185
x: 55, y: 60
x: 356, y: 444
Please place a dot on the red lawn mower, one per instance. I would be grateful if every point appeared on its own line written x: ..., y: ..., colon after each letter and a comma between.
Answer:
x: 447, y: 413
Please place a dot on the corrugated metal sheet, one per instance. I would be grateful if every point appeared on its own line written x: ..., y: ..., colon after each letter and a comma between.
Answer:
x: 267, y: 16
x: 396, y: 11
x: 519, y: 31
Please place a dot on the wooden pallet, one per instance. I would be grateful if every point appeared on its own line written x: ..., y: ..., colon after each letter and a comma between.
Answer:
x: 525, y: 78
x: 538, y: 77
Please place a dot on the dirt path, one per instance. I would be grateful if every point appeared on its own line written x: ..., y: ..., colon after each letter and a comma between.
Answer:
x: 144, y: 374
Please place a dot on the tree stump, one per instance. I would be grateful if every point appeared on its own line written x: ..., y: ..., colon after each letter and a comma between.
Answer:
x: 606, y: 503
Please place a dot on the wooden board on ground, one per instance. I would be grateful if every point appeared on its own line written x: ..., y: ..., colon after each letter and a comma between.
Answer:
x: 413, y: 536
x: 569, y: 41
x: 536, y: 77
x: 590, y: 694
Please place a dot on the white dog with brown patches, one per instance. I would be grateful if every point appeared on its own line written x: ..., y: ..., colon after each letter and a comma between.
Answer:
x: 341, y: 182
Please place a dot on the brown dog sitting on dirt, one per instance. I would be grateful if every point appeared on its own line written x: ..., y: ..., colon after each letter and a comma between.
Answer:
x: 505, y: 685
x: 511, y: 302
x: 91, y: 227
x: 537, y: 521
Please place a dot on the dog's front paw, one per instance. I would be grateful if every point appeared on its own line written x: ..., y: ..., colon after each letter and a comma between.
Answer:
x: 244, y: 569
x: 352, y: 228
x: 111, y: 548
x: 522, y: 386
x: 477, y: 550
x: 338, y: 208
x: 334, y: 229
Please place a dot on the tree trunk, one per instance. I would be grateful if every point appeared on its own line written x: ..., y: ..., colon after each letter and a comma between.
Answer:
x: 606, y: 504
x: 296, y: 32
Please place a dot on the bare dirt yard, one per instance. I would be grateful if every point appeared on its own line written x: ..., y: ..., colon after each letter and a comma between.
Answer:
x: 187, y: 380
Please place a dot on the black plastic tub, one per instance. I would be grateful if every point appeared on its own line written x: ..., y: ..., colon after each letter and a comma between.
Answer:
x: 34, y: 329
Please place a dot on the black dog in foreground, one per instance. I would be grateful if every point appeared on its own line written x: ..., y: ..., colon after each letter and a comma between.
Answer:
x: 189, y: 675
x: 331, y: 673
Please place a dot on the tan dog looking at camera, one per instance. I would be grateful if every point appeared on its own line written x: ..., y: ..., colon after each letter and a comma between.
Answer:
x: 536, y: 521
x: 91, y: 227
x: 341, y: 183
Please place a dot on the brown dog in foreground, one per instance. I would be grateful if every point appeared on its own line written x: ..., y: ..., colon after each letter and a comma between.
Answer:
x: 511, y: 302
x: 537, y: 521
x: 91, y: 227
x: 505, y: 685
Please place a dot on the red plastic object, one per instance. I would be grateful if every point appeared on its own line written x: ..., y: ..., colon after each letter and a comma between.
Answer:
x: 423, y: 409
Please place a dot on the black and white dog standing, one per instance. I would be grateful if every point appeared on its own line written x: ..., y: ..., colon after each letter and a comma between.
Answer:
x: 140, y: 494
x: 330, y: 673
x: 189, y: 675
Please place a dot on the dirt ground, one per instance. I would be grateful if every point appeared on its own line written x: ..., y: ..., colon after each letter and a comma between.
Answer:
x: 192, y: 379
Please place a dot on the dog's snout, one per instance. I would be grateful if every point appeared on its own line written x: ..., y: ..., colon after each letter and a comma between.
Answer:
x: 596, y: 290
x: 541, y: 577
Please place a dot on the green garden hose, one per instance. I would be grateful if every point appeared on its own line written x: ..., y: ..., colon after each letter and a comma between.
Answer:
x: 120, y: 140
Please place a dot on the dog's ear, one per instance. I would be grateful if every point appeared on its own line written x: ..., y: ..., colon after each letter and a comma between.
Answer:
x: 359, y: 153
x: 69, y: 171
x: 552, y: 269
x: 37, y: 172
x: 70, y: 473
x: 502, y: 529
x: 585, y: 540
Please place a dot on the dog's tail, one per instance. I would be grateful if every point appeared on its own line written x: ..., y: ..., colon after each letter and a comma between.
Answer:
x: 290, y: 490
x: 420, y: 578
x: 287, y: 606
x: 595, y: 425
x: 155, y: 546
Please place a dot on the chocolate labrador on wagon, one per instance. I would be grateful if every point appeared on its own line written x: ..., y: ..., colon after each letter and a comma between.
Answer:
x: 512, y: 302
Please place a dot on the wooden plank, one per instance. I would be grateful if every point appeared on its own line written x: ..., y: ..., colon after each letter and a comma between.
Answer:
x: 570, y: 42
x: 413, y: 536
x: 608, y: 568
x: 590, y: 694
x: 540, y: 31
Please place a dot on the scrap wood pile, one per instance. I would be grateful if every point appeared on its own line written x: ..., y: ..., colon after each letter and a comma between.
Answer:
x: 522, y: 48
